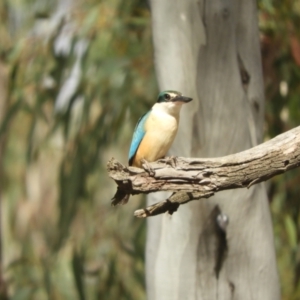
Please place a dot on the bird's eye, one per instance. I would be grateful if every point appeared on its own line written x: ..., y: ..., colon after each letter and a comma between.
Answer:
x: 167, y: 97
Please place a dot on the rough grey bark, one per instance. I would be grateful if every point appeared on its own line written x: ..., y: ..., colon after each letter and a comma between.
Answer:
x: 209, y: 50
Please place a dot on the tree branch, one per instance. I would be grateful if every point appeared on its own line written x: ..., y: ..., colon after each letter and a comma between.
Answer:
x: 196, y: 178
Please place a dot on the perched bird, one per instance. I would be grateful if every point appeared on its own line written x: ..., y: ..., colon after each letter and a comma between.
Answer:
x: 154, y: 133
x: 156, y: 130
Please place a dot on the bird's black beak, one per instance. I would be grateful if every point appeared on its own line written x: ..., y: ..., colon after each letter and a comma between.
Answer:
x: 182, y: 99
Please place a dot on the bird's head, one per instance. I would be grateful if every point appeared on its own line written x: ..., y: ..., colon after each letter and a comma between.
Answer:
x: 172, y: 97
x: 171, y: 101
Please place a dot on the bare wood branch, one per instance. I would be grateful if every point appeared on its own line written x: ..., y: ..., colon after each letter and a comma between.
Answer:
x: 196, y: 178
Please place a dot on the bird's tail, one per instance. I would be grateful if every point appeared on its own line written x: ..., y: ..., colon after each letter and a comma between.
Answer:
x: 120, y: 198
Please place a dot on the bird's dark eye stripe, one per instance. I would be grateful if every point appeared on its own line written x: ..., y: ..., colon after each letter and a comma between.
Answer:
x: 167, y: 96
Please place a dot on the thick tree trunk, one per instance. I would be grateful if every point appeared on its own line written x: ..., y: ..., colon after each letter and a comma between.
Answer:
x: 209, y: 50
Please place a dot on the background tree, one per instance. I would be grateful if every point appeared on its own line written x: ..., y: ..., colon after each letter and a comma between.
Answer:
x: 213, y: 48
x: 61, y: 239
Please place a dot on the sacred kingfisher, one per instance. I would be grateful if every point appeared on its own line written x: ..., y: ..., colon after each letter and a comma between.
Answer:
x: 154, y: 133
x: 156, y: 130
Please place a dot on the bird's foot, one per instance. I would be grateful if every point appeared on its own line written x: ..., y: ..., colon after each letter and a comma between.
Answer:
x: 147, y: 167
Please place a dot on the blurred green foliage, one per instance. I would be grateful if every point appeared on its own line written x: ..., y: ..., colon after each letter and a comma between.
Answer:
x: 61, y: 238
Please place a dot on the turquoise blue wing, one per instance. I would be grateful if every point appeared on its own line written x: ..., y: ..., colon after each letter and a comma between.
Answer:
x: 138, y: 135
